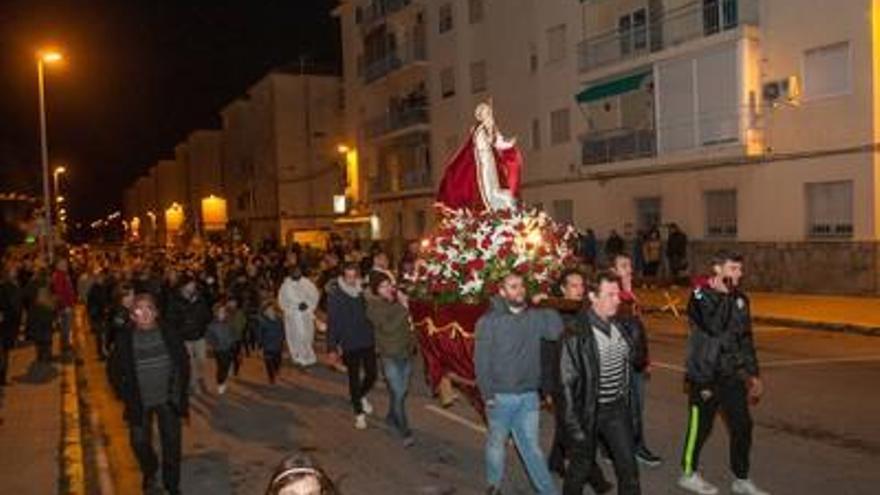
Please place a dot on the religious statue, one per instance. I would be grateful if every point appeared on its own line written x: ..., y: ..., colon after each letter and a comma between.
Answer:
x: 484, y: 174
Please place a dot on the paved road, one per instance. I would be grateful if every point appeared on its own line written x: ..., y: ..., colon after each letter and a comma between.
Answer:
x: 817, y: 432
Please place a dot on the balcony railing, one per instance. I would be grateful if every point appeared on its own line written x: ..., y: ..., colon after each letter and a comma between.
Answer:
x: 412, y: 178
x: 409, y: 53
x: 395, y: 121
x: 689, y: 22
x: 379, y: 9
x: 617, y: 145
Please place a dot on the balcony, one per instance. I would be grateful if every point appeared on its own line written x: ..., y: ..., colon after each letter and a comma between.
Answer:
x: 647, y: 34
x: 617, y: 145
x: 406, y: 55
x: 409, y: 181
x: 395, y: 121
x: 380, y: 9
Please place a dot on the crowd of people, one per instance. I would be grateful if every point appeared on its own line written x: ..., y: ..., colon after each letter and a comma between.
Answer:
x: 156, y: 316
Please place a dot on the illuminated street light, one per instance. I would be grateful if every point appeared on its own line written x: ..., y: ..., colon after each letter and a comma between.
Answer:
x: 47, y: 56
x: 342, y: 149
x: 50, y: 56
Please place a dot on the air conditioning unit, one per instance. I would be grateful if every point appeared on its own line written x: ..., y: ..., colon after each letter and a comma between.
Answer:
x: 786, y: 90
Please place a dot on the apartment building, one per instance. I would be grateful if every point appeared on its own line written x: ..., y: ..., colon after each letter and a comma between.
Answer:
x: 414, y: 72
x: 281, y: 161
x: 749, y: 123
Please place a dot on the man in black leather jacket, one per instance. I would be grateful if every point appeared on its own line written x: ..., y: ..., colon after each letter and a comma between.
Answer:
x: 572, y: 285
x: 594, y: 369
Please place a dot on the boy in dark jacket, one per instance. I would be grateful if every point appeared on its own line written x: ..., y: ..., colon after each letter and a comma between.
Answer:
x: 153, y: 370
x: 270, y: 331
x: 349, y: 329
x: 222, y: 342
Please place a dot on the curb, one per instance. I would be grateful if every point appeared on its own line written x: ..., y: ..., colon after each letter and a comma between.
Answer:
x: 850, y: 328
x: 72, y: 465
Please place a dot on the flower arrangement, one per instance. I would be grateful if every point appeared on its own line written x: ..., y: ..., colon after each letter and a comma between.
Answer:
x: 468, y: 253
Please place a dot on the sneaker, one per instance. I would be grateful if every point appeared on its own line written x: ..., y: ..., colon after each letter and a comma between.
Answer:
x: 366, y: 406
x: 408, y: 441
x: 696, y: 484
x: 360, y: 422
x: 221, y: 389
x: 648, y: 458
x: 746, y: 487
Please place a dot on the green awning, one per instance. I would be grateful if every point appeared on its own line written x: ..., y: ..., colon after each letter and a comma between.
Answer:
x: 611, y: 88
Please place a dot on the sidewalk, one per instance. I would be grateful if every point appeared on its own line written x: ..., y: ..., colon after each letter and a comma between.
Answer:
x: 835, y: 313
x: 30, y: 426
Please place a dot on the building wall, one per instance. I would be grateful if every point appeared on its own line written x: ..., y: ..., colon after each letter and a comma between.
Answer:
x: 308, y: 126
x: 201, y: 156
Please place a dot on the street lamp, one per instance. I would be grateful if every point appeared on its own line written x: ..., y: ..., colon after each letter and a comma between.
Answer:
x: 46, y: 57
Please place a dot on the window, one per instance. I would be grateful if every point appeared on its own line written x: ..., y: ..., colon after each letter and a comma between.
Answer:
x: 830, y: 209
x: 475, y: 10
x: 560, y: 126
x: 420, y: 221
x: 563, y: 210
x: 533, y: 59
x: 721, y: 213
x: 827, y: 71
x: 536, y: 134
x: 447, y: 82
x: 632, y: 30
x: 451, y: 144
x: 445, y: 17
x: 648, y: 213
x: 556, y: 43
x: 478, y: 77
x: 718, y: 15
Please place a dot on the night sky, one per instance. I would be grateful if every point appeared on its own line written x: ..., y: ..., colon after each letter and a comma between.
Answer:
x: 139, y: 76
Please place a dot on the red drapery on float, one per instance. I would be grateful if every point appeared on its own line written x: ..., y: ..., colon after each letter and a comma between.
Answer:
x: 460, y: 188
x: 446, y: 337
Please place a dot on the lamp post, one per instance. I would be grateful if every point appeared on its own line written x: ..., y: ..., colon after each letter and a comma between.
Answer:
x: 43, y: 58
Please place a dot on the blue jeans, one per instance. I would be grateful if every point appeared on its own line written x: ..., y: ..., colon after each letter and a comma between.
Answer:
x: 637, y: 407
x: 397, y: 372
x: 65, y: 317
x: 516, y: 414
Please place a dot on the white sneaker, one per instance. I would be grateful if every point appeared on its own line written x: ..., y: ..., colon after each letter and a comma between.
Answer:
x: 696, y: 484
x: 366, y: 406
x: 360, y: 422
x: 221, y: 389
x: 746, y: 487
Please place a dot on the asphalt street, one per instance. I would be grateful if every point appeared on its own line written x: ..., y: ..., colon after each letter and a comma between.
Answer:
x: 817, y: 430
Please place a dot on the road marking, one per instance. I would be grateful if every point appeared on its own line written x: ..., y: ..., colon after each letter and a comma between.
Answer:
x: 456, y: 418
x: 667, y: 366
x: 786, y: 363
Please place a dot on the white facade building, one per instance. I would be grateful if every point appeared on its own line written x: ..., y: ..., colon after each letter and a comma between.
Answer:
x: 751, y: 124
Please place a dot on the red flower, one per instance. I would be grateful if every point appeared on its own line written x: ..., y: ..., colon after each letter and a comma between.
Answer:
x: 476, y: 265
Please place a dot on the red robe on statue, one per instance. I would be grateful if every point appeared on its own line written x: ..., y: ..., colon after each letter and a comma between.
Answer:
x: 460, y: 187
